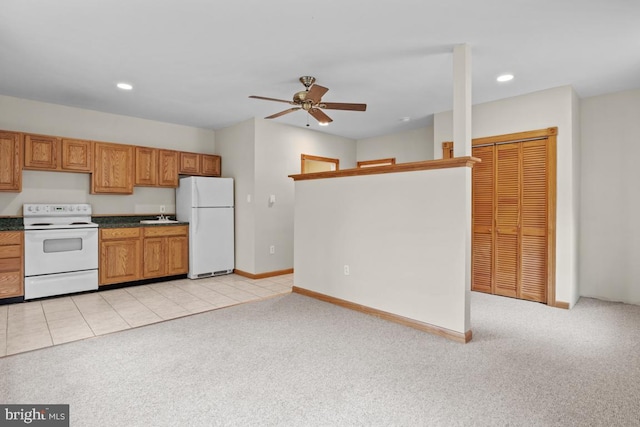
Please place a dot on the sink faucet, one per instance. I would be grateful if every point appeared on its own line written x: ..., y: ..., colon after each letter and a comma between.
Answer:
x: 162, y: 217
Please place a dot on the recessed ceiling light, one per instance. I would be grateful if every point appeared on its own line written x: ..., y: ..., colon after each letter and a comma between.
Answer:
x: 323, y: 123
x: 124, y: 86
x: 405, y: 119
x: 505, y: 78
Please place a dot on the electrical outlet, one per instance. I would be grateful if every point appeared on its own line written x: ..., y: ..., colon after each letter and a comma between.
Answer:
x: 272, y: 249
x: 346, y: 270
x: 162, y: 208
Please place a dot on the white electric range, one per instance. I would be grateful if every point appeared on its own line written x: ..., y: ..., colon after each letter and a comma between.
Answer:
x: 60, y: 249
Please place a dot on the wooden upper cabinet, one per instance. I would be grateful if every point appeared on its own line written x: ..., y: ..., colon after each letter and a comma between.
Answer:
x: 199, y: 164
x: 189, y: 163
x: 41, y: 152
x: 156, y: 168
x: 77, y: 155
x: 113, y: 169
x: 10, y: 161
x: 45, y: 152
x: 210, y: 165
x: 146, y: 166
x: 167, y: 168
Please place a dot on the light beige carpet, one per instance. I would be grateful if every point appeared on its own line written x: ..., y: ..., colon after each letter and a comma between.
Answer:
x: 295, y: 361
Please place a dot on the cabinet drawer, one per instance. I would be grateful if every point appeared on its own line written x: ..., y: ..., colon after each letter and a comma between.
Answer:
x: 10, y: 265
x: 10, y: 251
x: 171, y: 230
x: 120, y: 233
x: 10, y: 285
x: 10, y: 238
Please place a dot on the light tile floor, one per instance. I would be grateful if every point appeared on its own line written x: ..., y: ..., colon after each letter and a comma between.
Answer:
x: 44, y: 323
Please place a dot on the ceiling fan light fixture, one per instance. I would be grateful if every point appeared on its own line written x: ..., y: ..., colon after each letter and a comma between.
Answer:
x: 504, y: 78
x: 310, y: 101
x: 124, y: 86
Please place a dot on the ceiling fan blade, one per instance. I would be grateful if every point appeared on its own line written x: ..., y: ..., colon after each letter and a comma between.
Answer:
x: 282, y: 113
x: 272, y: 99
x: 320, y: 116
x: 343, y: 106
x: 315, y: 93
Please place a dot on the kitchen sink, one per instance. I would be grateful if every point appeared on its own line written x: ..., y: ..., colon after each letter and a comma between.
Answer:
x: 158, y: 221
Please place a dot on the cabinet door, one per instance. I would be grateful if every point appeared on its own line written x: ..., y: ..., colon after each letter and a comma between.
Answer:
x: 11, y: 272
x: 535, y: 204
x: 167, y: 168
x: 507, y: 232
x: 10, y: 161
x: 41, y: 152
x: 177, y: 255
x: 77, y: 155
x: 482, y: 228
x: 146, y: 166
x: 210, y: 165
x: 113, y: 169
x: 154, y: 260
x: 189, y: 163
x: 120, y: 261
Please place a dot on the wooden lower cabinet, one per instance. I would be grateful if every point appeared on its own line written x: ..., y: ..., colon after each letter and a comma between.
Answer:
x: 11, y: 264
x: 120, y: 255
x: 130, y: 254
x: 166, y: 251
x: 177, y: 255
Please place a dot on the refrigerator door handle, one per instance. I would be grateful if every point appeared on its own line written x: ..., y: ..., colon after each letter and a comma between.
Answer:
x: 194, y: 194
x: 196, y: 213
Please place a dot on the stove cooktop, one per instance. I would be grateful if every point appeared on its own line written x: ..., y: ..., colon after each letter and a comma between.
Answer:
x: 39, y: 216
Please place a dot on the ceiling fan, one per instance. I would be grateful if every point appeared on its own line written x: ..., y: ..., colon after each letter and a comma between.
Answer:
x: 310, y: 100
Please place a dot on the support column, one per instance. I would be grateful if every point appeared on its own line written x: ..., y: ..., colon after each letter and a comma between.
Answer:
x: 461, y: 100
x: 462, y: 147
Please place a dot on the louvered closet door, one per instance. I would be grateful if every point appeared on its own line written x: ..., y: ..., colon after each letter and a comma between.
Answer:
x: 535, y: 176
x: 507, y: 215
x: 482, y: 236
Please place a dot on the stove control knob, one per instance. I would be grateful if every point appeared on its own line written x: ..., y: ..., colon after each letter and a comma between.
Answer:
x: 72, y: 208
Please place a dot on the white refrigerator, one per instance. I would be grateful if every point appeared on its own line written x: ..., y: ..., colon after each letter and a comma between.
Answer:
x: 207, y: 204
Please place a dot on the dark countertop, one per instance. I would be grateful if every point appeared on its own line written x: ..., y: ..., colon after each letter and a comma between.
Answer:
x: 129, y: 221
x: 11, y: 224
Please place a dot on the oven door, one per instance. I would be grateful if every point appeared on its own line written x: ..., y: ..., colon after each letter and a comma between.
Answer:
x: 60, y: 251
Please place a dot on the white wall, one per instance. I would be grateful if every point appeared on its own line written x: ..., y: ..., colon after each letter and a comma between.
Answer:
x: 408, y: 146
x: 549, y: 108
x: 236, y: 146
x: 402, y: 235
x: 260, y: 155
x: 41, y: 187
x: 278, y: 150
x: 610, y: 202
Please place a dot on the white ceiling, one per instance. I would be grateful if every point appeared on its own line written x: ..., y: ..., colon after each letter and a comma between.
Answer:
x: 195, y: 62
